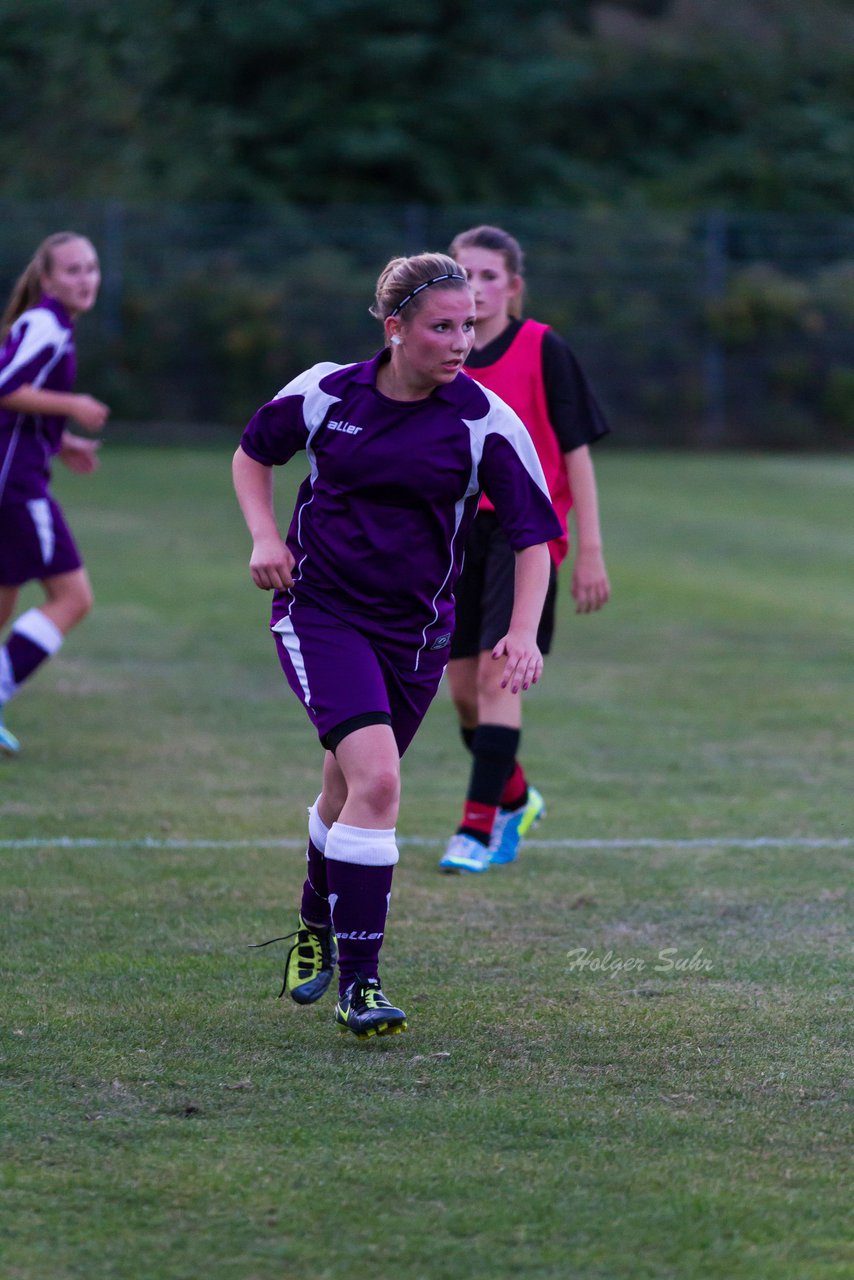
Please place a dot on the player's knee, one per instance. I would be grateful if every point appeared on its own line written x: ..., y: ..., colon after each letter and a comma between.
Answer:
x: 381, y: 790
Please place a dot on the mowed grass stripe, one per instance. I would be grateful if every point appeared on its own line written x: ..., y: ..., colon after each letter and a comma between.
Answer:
x: 630, y: 1052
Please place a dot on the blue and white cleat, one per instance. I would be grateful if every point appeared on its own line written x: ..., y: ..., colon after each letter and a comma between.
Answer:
x: 464, y: 853
x: 9, y: 744
x: 512, y: 825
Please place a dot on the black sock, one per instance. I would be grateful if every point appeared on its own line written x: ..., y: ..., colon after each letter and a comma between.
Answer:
x: 494, y: 747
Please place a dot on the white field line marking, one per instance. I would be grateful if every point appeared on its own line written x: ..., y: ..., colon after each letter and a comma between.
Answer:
x: 431, y: 842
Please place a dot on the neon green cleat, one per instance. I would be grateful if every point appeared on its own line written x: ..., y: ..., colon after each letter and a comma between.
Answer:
x: 310, y: 964
x: 364, y: 1010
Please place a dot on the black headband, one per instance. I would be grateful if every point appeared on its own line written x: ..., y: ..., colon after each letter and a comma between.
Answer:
x: 449, y: 275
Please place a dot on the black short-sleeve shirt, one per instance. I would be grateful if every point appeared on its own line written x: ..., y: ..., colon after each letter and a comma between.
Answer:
x: 574, y: 411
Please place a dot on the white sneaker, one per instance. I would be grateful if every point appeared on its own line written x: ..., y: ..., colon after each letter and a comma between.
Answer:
x: 464, y: 853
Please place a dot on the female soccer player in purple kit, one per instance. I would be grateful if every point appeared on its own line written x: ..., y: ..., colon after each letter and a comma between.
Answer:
x: 399, y: 449
x: 37, y: 369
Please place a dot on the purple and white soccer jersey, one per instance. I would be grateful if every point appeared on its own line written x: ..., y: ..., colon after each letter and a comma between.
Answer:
x: 35, y: 541
x: 380, y: 522
x: 38, y: 352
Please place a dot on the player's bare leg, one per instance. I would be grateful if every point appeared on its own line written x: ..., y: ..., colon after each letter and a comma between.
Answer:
x: 69, y: 599
x: 370, y: 764
x: 494, y: 704
x: 462, y: 681
x: 38, y: 634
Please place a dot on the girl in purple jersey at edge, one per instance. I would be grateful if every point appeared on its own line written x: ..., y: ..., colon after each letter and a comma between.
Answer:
x: 37, y: 370
x: 399, y: 449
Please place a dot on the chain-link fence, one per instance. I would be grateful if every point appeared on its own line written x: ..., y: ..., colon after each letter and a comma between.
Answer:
x: 700, y: 330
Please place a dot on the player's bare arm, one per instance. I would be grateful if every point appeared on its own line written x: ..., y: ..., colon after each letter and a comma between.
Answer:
x: 523, y: 660
x: 271, y: 563
x: 90, y: 413
x: 590, y: 586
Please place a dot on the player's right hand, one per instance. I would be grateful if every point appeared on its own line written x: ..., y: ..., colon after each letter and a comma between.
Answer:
x: 271, y: 565
x: 79, y: 453
x: 524, y: 662
x: 89, y: 412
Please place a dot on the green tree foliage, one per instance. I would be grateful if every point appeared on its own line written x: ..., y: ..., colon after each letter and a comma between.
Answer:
x: 518, y: 102
x: 312, y: 99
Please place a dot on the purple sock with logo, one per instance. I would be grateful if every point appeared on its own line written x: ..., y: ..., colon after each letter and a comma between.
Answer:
x: 314, y: 907
x: 359, y: 893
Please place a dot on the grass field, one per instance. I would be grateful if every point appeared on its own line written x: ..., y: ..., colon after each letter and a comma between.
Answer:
x: 630, y: 1052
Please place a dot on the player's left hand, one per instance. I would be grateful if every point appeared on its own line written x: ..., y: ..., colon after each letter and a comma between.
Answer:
x: 524, y: 662
x: 79, y: 454
x: 590, y: 586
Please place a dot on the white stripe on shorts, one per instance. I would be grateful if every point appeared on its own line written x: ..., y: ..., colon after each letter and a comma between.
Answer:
x: 285, y: 628
x: 40, y: 514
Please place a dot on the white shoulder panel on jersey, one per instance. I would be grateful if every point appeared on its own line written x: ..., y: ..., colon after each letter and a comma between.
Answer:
x: 316, y: 403
x: 504, y: 421
x: 42, y: 333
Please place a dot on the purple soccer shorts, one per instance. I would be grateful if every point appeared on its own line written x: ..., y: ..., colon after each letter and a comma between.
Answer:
x: 340, y: 674
x: 35, y: 542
